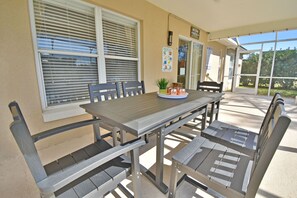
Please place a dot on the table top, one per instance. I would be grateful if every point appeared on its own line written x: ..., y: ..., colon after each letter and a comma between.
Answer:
x: 143, y: 113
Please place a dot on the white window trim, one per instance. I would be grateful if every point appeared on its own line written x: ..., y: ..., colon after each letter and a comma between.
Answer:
x: 138, y: 42
x: 70, y: 110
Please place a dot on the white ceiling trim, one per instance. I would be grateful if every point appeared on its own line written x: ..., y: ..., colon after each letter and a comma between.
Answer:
x: 254, y: 29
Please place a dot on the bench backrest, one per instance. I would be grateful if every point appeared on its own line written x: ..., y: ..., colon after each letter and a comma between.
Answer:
x: 132, y: 88
x: 25, y: 142
x: 273, y: 131
x: 104, y: 91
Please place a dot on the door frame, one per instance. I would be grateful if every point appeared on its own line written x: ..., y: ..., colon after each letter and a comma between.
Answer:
x: 236, y: 75
x: 189, y: 71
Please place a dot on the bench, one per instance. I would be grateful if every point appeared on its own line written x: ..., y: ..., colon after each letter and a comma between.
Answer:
x: 226, y: 168
x: 92, y: 171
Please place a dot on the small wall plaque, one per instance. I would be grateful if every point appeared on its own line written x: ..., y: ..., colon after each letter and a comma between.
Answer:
x: 195, y: 32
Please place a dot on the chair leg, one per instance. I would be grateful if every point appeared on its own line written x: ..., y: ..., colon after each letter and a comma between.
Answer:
x: 211, y: 113
x: 123, y: 136
x: 135, y: 172
x: 218, y: 109
x: 96, y: 129
x: 114, y: 136
x: 204, y: 118
x: 173, y: 180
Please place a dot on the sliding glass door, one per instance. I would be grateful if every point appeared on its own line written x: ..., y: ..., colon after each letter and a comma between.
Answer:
x: 189, y: 62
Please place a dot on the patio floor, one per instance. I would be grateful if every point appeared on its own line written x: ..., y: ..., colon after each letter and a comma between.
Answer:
x: 246, y: 111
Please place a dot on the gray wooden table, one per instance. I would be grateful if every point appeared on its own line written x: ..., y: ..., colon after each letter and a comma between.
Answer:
x: 148, y: 113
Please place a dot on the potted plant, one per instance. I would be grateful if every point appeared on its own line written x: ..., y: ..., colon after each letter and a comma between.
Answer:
x: 162, y: 84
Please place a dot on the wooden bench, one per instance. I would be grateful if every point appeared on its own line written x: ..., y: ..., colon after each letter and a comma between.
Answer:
x: 92, y: 171
x: 228, y: 170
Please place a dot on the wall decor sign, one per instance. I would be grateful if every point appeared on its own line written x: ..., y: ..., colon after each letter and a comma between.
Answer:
x: 167, y: 58
x: 195, y: 32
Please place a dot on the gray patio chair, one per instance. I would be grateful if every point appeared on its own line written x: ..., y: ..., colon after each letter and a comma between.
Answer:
x: 240, y: 139
x: 92, y: 171
x: 211, y: 87
x: 132, y: 88
x: 227, y: 171
x: 103, y: 92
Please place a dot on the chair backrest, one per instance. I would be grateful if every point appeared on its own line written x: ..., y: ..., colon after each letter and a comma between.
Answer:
x: 132, y: 88
x: 277, y: 124
x: 25, y: 142
x: 210, y: 86
x: 270, y: 111
x: 104, y: 91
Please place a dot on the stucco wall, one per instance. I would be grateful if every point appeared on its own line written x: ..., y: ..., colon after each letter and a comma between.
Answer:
x: 19, y: 80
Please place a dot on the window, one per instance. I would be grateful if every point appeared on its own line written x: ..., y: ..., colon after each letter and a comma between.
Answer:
x: 77, y: 44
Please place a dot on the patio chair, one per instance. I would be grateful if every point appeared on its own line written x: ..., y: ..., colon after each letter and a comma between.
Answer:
x: 133, y: 88
x: 92, y: 171
x: 227, y: 171
x: 211, y: 87
x: 240, y: 139
x: 103, y: 92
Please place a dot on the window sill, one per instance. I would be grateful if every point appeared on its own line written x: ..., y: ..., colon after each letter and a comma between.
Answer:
x: 62, y: 112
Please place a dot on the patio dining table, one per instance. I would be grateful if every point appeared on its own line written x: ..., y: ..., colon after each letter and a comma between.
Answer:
x: 149, y: 113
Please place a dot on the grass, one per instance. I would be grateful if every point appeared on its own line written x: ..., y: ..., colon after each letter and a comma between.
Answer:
x: 284, y: 93
x: 288, y: 93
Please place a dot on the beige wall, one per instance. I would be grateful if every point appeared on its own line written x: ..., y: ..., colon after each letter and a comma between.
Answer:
x: 19, y: 81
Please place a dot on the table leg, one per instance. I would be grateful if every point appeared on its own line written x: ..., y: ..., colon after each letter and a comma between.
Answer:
x: 157, y: 179
x: 160, y: 156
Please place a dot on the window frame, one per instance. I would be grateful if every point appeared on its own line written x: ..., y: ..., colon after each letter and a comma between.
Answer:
x: 56, y: 112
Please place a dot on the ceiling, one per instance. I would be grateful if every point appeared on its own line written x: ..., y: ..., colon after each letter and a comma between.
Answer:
x: 229, y: 18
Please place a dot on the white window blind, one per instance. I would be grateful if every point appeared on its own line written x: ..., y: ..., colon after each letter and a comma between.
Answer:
x: 64, y: 27
x: 120, y: 48
x: 66, y: 77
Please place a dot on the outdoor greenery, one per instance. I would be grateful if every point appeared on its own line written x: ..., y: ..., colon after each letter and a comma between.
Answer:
x: 285, y: 66
x: 284, y: 93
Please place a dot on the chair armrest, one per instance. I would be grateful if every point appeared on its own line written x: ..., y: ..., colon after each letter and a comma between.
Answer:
x: 58, y: 180
x: 60, y: 129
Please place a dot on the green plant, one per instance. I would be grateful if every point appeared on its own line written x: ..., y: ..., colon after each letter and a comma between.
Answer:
x: 162, y: 83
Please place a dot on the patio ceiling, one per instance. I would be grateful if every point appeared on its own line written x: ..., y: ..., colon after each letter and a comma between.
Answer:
x: 230, y: 18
